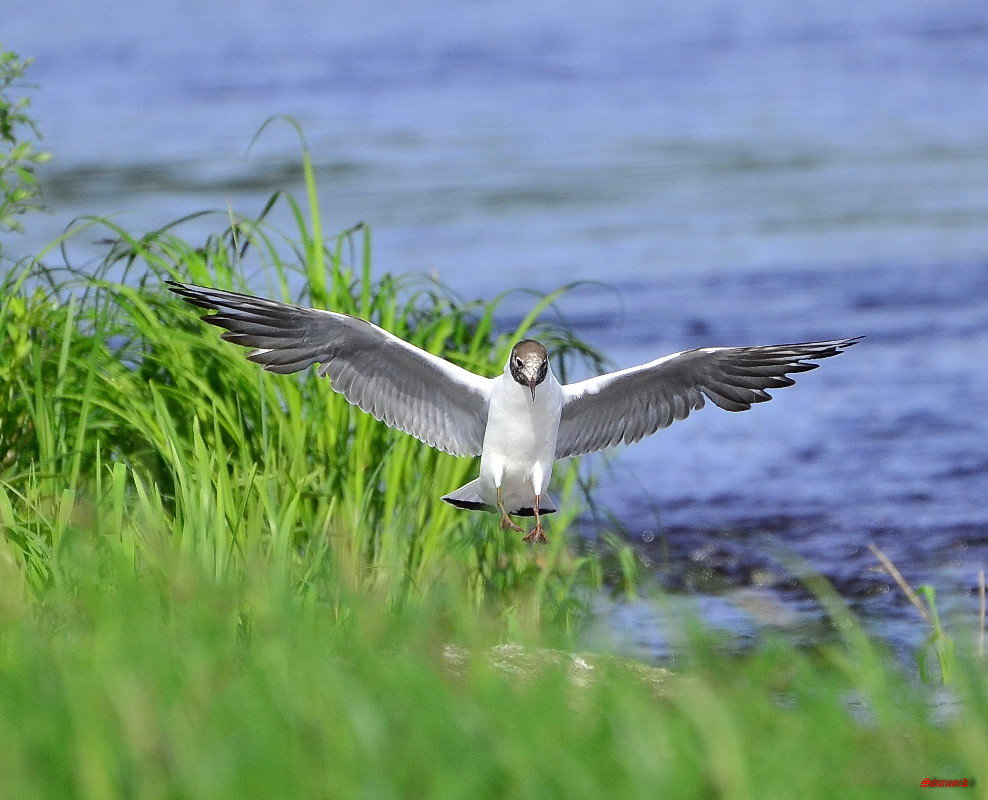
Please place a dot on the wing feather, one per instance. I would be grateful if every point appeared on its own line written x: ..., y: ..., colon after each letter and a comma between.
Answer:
x: 405, y: 387
x: 630, y: 404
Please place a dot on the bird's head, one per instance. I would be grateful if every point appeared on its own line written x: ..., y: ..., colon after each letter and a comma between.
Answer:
x: 529, y: 364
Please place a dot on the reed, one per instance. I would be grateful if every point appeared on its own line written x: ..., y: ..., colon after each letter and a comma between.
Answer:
x: 169, y: 683
x: 124, y: 412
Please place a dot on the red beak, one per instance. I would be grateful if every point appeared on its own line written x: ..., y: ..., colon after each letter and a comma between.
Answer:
x: 531, y: 385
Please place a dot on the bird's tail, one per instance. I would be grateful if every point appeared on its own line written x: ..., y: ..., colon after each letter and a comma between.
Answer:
x: 468, y: 497
x: 546, y: 506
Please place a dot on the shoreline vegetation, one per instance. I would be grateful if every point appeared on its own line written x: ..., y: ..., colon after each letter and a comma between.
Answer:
x: 218, y: 582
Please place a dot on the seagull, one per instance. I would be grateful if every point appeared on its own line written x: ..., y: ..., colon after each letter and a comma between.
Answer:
x: 519, y: 422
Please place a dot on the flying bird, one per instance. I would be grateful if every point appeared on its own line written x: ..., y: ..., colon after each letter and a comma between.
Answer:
x: 519, y: 422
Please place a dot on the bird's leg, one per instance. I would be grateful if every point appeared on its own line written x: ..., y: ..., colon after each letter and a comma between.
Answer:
x: 506, y: 523
x: 536, y: 535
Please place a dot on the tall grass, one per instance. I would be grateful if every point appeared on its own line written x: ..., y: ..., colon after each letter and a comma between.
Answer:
x: 126, y: 414
x: 173, y: 685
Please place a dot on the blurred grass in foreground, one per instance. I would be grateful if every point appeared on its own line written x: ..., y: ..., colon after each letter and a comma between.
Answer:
x: 220, y: 583
x: 172, y: 684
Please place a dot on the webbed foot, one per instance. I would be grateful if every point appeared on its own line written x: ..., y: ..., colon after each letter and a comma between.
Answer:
x: 536, y: 536
x: 508, y: 525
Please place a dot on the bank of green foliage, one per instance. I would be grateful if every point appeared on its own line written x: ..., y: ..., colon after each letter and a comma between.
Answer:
x: 165, y: 682
x: 19, y: 155
x: 221, y: 583
x: 124, y: 413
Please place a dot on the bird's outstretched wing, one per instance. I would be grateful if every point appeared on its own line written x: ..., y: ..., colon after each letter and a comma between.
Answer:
x: 630, y: 404
x: 414, y: 391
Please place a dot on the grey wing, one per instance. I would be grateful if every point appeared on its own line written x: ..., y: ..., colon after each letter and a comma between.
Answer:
x: 628, y: 405
x: 416, y: 392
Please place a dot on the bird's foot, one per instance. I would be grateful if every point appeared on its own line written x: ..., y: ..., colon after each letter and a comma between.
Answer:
x: 536, y: 536
x: 508, y: 525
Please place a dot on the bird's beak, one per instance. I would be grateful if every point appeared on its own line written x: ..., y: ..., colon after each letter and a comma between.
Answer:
x: 532, y: 385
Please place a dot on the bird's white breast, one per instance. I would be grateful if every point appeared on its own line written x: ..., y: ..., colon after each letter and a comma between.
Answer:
x: 520, y: 440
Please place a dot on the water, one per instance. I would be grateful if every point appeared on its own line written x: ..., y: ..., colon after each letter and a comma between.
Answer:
x: 756, y: 174
x: 885, y: 443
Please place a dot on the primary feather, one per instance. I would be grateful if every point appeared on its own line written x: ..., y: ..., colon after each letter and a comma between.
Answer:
x: 630, y: 404
x: 424, y: 395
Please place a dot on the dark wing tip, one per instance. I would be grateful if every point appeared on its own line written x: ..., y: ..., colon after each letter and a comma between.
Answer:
x: 840, y: 344
x: 833, y: 348
x: 196, y: 295
x: 183, y: 289
x: 802, y: 352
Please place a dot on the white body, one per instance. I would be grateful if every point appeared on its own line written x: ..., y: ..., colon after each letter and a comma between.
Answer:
x: 519, y: 441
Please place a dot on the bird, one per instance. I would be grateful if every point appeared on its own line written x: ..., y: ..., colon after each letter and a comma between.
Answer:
x: 520, y: 422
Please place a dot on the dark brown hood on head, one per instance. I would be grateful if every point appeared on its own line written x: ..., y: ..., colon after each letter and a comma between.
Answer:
x: 529, y: 363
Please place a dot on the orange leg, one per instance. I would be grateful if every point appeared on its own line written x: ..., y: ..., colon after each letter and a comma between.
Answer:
x: 536, y: 535
x: 506, y: 523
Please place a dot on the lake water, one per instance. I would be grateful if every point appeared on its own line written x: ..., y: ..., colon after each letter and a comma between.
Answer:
x: 733, y: 174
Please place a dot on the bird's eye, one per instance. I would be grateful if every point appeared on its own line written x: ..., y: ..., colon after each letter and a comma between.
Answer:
x: 518, y: 363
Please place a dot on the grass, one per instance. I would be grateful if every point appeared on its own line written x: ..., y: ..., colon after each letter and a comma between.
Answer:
x: 19, y: 192
x: 217, y: 582
x: 124, y: 409
x: 172, y: 684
